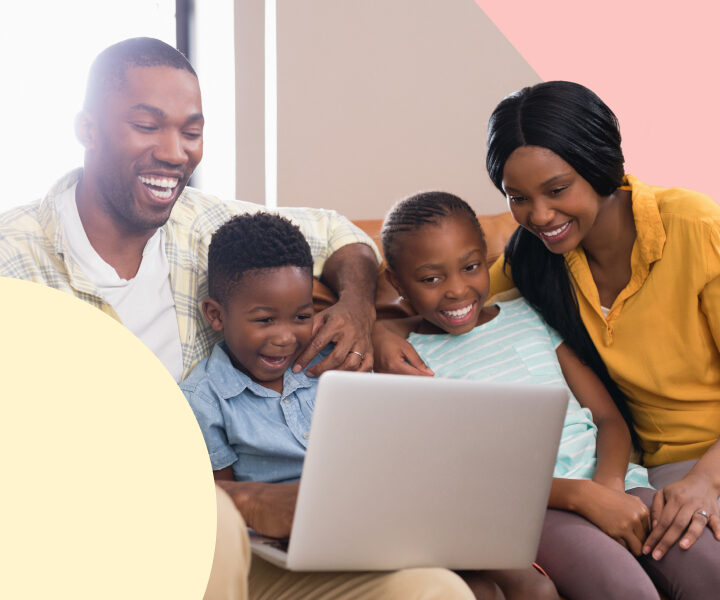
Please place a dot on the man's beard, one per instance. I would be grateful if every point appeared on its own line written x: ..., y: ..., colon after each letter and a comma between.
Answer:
x: 118, y: 201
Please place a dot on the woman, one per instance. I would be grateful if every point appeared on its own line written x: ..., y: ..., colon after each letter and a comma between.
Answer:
x: 636, y: 267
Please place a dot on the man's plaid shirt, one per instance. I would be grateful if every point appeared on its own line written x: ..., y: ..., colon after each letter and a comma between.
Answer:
x: 32, y: 247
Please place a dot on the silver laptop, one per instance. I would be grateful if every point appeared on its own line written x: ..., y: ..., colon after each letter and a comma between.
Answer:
x: 407, y: 471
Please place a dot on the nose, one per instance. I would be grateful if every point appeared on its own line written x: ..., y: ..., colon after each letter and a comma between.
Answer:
x: 171, y: 148
x: 456, y: 287
x: 284, y: 336
x: 541, y: 214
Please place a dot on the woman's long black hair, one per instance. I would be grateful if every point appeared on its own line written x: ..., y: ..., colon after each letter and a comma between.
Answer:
x: 570, y: 120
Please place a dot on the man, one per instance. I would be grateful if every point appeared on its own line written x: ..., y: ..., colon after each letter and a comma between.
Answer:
x: 124, y: 234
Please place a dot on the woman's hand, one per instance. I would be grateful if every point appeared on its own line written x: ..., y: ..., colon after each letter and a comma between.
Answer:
x: 393, y: 354
x: 674, y: 513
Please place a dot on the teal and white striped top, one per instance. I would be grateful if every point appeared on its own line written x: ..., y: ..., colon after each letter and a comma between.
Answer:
x: 518, y: 346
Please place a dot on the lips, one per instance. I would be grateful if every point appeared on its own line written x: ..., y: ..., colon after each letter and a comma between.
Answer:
x: 275, y: 362
x: 460, y: 315
x: 161, y: 188
x: 555, y: 235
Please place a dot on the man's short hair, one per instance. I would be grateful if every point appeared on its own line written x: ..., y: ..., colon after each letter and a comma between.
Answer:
x: 109, y: 67
x: 250, y: 243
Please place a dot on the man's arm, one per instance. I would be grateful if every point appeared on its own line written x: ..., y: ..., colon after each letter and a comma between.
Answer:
x: 351, y: 272
x: 347, y: 260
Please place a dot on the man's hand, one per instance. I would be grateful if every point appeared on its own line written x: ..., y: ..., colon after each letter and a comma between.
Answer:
x: 351, y: 272
x: 674, y: 512
x: 268, y: 508
x: 348, y: 324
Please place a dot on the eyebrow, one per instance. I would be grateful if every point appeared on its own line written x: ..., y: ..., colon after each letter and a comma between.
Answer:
x: 274, y: 308
x: 161, y: 114
x: 544, y: 183
x: 462, y: 259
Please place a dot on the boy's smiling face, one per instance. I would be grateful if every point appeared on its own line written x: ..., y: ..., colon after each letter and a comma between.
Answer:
x: 266, y: 321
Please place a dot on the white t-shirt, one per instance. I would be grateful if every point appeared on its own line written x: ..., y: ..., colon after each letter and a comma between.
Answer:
x: 144, y: 303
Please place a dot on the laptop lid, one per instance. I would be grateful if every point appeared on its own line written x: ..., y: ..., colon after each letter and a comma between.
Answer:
x: 414, y: 472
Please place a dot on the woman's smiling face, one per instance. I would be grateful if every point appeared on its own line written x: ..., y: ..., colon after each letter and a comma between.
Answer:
x: 549, y: 198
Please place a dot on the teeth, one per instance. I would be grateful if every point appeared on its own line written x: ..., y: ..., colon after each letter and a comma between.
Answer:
x: 557, y: 231
x: 163, y: 182
x: 457, y: 314
x: 163, y: 195
x: 275, y: 359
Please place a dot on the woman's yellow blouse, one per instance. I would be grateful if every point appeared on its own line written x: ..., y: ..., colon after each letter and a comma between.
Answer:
x: 661, y: 339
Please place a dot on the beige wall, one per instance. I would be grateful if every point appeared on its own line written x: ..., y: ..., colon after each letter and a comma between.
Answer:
x: 378, y: 99
x: 249, y: 100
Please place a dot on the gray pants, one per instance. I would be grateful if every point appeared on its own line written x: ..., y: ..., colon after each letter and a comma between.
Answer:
x: 586, y: 564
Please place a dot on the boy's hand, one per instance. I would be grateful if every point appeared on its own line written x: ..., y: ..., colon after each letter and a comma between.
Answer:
x: 268, y: 508
x: 348, y: 324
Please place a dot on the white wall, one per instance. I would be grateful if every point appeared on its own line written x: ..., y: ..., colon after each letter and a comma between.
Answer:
x: 47, y: 48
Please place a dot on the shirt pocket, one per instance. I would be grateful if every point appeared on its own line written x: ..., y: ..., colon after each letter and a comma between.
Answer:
x: 540, y: 359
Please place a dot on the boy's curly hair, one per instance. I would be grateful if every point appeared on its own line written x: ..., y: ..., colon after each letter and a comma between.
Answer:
x: 251, y: 242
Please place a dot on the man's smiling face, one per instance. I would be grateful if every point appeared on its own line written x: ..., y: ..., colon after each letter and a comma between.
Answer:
x: 149, y: 139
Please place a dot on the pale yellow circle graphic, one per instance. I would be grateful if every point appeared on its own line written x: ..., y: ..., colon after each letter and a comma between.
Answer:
x: 107, y: 489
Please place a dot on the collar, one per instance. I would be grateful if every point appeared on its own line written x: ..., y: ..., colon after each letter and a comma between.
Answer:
x: 49, y: 220
x: 650, y: 231
x: 648, y: 248
x: 230, y: 382
x: 651, y: 237
x: 48, y: 214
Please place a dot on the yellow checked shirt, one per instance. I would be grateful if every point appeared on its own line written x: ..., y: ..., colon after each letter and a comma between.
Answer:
x: 32, y: 247
x: 661, y: 339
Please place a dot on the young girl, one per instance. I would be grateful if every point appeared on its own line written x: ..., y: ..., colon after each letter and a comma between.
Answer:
x: 598, y: 516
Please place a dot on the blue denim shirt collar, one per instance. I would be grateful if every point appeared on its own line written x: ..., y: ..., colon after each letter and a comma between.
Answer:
x: 230, y: 382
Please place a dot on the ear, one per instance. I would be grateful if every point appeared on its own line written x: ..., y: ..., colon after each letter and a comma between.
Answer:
x: 86, y: 129
x: 394, y: 281
x: 214, y: 313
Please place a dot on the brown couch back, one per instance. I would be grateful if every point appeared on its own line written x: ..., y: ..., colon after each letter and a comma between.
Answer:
x: 388, y: 304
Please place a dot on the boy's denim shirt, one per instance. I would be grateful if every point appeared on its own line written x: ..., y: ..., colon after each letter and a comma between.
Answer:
x: 262, y: 434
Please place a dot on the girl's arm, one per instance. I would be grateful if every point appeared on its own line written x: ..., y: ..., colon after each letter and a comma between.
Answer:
x: 613, y: 439
x: 603, y: 500
x: 623, y: 517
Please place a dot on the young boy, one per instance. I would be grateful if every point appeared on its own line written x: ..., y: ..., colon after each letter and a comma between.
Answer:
x: 254, y: 412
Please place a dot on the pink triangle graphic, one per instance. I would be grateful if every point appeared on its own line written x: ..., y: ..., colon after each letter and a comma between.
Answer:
x: 654, y: 63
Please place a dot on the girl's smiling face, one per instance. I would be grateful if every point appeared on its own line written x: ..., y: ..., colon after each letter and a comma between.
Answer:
x: 440, y: 268
x: 549, y: 198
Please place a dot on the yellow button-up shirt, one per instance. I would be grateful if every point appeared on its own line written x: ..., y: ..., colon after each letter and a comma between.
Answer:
x: 32, y: 247
x: 661, y: 339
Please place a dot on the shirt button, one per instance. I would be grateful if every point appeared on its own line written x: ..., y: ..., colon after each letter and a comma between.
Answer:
x: 286, y: 400
x: 306, y: 435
